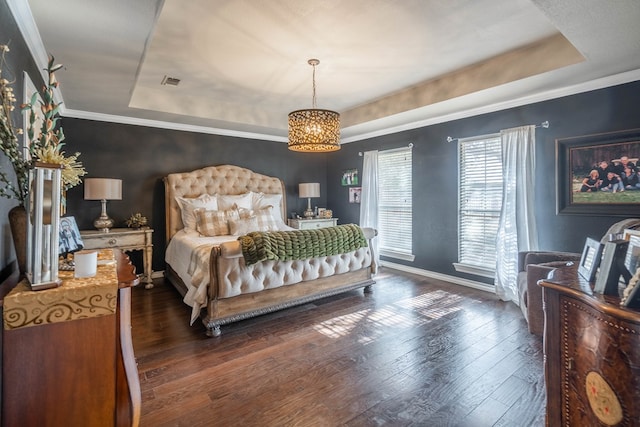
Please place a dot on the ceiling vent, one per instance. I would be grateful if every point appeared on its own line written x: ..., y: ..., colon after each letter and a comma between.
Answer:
x: 171, y: 81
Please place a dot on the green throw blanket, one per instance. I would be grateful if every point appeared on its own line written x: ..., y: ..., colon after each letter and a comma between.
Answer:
x: 301, y: 244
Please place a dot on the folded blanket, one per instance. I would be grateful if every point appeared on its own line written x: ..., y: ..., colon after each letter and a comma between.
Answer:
x: 301, y: 244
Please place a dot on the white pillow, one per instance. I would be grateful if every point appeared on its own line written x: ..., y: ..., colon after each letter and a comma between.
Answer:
x: 189, y: 205
x: 261, y: 200
x: 240, y: 201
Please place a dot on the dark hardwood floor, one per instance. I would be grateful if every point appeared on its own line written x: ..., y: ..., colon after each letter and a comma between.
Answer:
x: 415, y: 352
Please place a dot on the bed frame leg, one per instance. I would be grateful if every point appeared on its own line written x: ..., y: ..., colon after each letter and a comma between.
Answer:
x: 213, y: 331
x: 368, y: 289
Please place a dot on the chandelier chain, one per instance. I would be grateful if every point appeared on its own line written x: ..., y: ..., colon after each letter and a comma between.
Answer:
x: 313, y: 99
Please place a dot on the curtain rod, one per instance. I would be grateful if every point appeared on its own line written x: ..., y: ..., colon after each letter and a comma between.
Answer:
x: 410, y: 145
x: 544, y: 124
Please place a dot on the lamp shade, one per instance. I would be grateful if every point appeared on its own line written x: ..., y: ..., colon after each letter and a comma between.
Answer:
x: 314, y: 130
x: 309, y: 189
x: 102, y: 189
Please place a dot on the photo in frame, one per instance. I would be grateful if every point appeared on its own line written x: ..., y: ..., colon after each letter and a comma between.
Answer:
x: 590, y: 259
x: 355, y: 193
x: 598, y: 174
x: 632, y: 256
x: 631, y: 294
x: 70, y: 240
x: 612, y: 268
x: 350, y: 177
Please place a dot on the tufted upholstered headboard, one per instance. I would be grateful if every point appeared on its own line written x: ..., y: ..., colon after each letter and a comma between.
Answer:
x: 224, y: 179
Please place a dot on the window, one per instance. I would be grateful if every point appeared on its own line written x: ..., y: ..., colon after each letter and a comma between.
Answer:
x: 480, y: 201
x: 395, y: 203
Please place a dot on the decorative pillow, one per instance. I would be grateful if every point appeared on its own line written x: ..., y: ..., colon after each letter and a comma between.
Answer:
x: 239, y: 227
x: 261, y: 200
x: 241, y: 201
x: 189, y: 205
x: 265, y: 220
x: 215, y: 223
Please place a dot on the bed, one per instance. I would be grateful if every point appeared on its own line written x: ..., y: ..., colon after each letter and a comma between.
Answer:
x: 207, y: 263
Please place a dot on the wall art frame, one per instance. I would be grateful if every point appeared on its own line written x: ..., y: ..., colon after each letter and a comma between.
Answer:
x: 350, y: 177
x: 577, y: 156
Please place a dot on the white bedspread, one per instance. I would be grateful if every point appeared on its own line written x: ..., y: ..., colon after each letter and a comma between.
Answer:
x: 188, y: 255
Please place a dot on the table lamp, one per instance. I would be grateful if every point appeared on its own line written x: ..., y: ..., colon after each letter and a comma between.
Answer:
x: 103, y: 189
x: 309, y: 190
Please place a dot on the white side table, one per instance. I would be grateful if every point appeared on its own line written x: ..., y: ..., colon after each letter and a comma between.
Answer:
x: 126, y: 239
x: 308, y: 224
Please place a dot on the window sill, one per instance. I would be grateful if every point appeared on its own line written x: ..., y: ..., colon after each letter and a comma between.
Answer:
x: 474, y: 269
x: 397, y: 255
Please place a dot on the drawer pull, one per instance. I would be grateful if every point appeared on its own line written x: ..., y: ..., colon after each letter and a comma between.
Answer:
x: 112, y: 242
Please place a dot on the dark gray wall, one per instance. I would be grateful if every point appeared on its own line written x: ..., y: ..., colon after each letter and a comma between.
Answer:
x: 142, y: 156
x: 435, y: 170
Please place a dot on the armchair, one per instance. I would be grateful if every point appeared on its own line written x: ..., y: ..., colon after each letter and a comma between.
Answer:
x: 536, y: 265
x: 533, y: 266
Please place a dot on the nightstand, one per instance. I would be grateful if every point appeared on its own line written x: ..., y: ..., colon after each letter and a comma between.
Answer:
x: 308, y: 224
x: 126, y: 239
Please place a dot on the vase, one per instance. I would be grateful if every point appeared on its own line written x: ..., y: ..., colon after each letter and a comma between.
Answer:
x: 18, y: 224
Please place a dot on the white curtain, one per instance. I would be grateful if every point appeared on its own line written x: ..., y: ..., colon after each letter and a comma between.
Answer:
x: 517, y: 227
x: 369, y: 199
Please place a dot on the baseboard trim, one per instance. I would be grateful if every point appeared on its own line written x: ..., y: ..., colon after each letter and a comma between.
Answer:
x: 440, y: 276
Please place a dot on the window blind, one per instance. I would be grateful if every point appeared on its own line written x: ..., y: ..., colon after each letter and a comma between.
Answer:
x: 395, y: 203
x: 480, y: 200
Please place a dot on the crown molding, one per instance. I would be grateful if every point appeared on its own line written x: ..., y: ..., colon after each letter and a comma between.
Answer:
x: 27, y: 25
x: 602, y: 83
x: 24, y: 18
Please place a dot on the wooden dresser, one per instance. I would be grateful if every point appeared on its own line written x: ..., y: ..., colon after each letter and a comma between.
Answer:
x: 67, y: 354
x: 592, y: 355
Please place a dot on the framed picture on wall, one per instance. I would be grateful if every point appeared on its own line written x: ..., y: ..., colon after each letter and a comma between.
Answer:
x: 355, y: 194
x: 350, y: 177
x: 598, y: 174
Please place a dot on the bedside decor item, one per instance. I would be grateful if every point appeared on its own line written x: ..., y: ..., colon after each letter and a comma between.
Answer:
x: 136, y: 220
x: 309, y: 190
x: 314, y: 130
x: 43, y: 226
x: 103, y: 189
x: 590, y: 259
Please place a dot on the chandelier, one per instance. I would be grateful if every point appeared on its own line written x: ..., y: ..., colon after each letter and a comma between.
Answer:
x: 314, y: 129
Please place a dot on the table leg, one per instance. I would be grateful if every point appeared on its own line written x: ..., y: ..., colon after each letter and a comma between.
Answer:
x: 148, y: 255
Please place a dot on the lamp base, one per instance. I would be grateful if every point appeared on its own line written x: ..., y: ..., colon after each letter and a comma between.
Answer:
x: 103, y: 223
x: 309, y: 214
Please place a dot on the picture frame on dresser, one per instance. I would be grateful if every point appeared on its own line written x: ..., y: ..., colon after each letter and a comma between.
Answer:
x: 631, y: 294
x: 590, y: 259
x: 577, y: 156
x: 612, y: 268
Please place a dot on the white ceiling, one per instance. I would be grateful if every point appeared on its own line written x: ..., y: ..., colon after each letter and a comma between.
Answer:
x: 385, y: 65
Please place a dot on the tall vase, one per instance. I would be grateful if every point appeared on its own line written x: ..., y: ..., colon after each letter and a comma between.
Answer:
x: 18, y: 224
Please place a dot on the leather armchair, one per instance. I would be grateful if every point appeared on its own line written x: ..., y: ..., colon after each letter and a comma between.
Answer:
x: 533, y: 266
x: 536, y: 265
